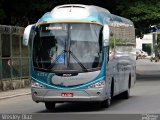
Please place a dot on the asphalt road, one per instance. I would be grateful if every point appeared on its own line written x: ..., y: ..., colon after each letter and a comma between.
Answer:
x: 145, y: 98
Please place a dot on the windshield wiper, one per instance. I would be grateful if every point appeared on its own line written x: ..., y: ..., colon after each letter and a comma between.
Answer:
x: 64, y: 51
x: 42, y: 69
x: 54, y: 62
x: 82, y: 66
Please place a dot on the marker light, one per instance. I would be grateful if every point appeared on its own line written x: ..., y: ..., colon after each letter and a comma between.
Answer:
x: 36, y: 85
x: 99, y: 84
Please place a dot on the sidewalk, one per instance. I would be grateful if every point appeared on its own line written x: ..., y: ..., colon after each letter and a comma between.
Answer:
x: 15, y: 93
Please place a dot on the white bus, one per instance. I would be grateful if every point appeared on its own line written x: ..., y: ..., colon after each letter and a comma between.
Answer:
x: 71, y: 59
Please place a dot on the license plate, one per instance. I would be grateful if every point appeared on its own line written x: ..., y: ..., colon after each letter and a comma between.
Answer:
x: 67, y: 94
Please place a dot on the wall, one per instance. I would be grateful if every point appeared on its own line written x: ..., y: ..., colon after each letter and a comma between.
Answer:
x: 147, y: 39
x: 14, y: 58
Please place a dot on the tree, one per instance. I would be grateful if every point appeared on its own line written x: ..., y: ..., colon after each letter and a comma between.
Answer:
x: 158, y: 43
x: 143, y: 13
x: 114, y: 42
x: 22, y: 13
x: 2, y: 14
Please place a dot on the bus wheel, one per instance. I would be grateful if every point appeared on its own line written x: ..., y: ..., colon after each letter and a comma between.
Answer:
x: 106, y: 103
x: 50, y: 105
x: 126, y: 94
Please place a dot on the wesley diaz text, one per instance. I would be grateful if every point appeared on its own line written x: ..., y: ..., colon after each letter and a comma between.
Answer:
x: 16, y: 117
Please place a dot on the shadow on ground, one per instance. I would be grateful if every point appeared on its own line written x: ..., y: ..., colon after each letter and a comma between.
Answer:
x: 148, y: 75
x: 84, y: 107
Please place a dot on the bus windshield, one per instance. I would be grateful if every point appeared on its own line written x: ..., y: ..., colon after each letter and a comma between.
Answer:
x: 66, y: 47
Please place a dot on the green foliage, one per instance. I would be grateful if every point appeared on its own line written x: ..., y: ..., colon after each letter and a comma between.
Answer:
x: 2, y: 15
x: 24, y: 12
x: 158, y: 38
x: 143, y: 13
x: 114, y: 42
x: 158, y: 43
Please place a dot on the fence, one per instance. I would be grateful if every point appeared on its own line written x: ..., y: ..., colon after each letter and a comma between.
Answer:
x: 14, y: 58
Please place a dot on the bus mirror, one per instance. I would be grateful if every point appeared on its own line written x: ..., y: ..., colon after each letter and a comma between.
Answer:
x: 106, y: 35
x: 26, y: 35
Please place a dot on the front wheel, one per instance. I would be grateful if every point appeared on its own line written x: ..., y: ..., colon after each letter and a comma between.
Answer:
x: 50, y: 105
x: 106, y: 103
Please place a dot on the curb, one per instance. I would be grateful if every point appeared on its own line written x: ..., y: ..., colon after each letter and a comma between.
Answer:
x: 12, y: 96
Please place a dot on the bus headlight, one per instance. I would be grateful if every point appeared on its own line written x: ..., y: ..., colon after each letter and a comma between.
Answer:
x: 36, y: 85
x: 99, y: 84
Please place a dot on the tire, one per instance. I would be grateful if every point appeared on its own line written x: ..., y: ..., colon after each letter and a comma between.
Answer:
x: 155, y: 60
x: 106, y: 103
x: 126, y: 94
x: 50, y: 106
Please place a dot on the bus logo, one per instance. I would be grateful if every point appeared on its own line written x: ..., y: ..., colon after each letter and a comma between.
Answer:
x: 67, y: 75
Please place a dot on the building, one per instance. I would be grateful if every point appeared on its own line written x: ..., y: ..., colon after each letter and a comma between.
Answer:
x: 145, y: 43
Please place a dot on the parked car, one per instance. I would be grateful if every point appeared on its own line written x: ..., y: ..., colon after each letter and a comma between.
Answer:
x: 141, y: 54
x: 144, y: 54
x: 155, y: 57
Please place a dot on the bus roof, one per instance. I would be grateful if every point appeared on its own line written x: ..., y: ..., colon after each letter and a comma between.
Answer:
x: 79, y: 12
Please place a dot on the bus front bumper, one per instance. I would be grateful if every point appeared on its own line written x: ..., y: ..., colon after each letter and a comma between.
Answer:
x: 43, y: 95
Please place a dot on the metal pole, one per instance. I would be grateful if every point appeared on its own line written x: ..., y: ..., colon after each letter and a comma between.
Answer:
x: 20, y: 48
x: 11, y: 55
x: 154, y: 43
x: 0, y: 61
x: 29, y: 57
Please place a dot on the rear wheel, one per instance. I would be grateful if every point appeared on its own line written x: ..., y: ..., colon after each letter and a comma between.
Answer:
x: 50, y: 105
x: 126, y: 94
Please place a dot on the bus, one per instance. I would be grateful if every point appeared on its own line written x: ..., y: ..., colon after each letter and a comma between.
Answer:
x: 81, y: 53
